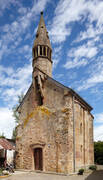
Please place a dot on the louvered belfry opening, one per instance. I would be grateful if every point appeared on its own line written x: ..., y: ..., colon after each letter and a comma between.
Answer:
x: 42, y: 51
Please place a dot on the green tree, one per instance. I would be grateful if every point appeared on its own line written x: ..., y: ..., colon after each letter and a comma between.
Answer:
x: 2, y: 135
x: 14, y: 134
x: 98, y: 152
x: 16, y: 114
x: 15, y: 108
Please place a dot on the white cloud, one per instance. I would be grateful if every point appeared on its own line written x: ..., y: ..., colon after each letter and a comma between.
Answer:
x: 75, y: 63
x: 14, y: 82
x: 99, y: 118
x: 78, y: 56
x: 95, y: 76
x: 69, y: 11
x: 98, y: 128
x: 26, y: 50
x: 90, y: 32
x: 55, y: 62
x: 4, y: 4
x: 13, y: 31
x: 22, y: 10
x: 7, y: 70
x: 98, y: 133
x: 83, y: 51
x: 57, y: 51
x: 65, y: 13
x: 96, y: 10
x: 7, y: 122
x: 3, y: 49
x: 91, y: 82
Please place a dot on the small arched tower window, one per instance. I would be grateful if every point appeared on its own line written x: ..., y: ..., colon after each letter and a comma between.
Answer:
x: 41, y: 50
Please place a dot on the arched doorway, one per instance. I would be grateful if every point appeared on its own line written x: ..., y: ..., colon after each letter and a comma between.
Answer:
x: 38, y: 159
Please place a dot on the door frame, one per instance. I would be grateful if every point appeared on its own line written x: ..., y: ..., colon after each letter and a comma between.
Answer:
x: 34, y: 146
x: 38, y: 151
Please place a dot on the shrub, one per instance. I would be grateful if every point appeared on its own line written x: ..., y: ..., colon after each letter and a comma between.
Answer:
x: 98, y: 152
x: 99, y: 160
x: 81, y: 171
x: 0, y: 171
x: 93, y: 167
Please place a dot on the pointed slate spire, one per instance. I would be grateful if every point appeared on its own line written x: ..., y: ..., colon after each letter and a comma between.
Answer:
x: 42, y: 51
x: 42, y: 37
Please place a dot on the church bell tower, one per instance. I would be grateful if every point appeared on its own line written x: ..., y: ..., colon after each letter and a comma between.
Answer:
x: 42, y: 51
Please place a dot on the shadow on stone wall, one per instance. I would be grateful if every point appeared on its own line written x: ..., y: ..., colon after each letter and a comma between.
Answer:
x: 96, y: 175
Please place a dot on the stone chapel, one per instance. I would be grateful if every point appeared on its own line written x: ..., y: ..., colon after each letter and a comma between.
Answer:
x: 55, y: 131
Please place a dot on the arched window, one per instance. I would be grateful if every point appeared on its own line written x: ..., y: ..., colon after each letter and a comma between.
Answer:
x: 81, y: 128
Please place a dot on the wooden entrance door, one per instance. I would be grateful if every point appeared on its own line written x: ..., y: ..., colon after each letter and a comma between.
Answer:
x: 38, y: 159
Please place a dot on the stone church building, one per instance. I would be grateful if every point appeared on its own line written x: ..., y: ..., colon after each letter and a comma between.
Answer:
x: 55, y: 132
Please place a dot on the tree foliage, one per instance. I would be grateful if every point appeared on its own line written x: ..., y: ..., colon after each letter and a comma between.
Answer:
x: 98, y: 152
x: 16, y: 114
x: 2, y: 135
x: 14, y: 134
x: 15, y: 108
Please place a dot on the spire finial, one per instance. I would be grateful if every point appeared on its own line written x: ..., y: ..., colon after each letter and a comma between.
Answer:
x: 42, y: 37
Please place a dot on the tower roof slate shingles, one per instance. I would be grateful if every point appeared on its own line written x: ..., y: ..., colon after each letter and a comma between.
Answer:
x: 42, y: 37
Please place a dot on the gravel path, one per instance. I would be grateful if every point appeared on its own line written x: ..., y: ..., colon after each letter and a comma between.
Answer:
x: 97, y: 175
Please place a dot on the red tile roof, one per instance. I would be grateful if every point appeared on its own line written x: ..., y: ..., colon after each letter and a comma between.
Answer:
x: 6, y: 144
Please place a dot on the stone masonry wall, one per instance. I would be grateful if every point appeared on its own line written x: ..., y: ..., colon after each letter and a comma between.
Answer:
x: 44, y: 65
x: 83, y: 136
x: 50, y: 127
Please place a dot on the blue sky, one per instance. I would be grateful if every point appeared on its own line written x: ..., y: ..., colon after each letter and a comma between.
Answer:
x: 76, y: 33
